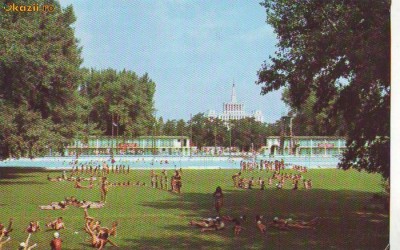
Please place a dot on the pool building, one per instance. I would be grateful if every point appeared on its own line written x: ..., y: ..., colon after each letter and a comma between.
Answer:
x: 143, y: 145
x: 304, y: 145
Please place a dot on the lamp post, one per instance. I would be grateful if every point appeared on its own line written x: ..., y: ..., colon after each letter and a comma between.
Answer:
x: 230, y: 139
x: 191, y: 136
x: 154, y: 132
x: 112, y: 135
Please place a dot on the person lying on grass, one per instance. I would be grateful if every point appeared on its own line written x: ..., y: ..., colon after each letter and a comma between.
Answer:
x: 55, y: 206
x: 56, y: 224
x: 25, y: 245
x: 203, y: 223
x: 286, y: 224
x: 91, y: 204
x: 2, y: 242
x: 59, y: 178
x: 218, y: 225
x: 6, y: 230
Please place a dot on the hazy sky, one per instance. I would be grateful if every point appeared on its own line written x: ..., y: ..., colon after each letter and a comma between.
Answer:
x: 192, y: 50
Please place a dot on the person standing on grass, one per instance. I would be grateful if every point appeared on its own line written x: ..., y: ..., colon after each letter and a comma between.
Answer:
x: 104, y: 189
x: 177, y: 181
x: 235, y: 179
x: 218, y: 200
x: 55, y: 244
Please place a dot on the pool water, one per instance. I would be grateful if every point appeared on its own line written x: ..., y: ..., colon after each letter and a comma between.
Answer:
x: 167, y: 162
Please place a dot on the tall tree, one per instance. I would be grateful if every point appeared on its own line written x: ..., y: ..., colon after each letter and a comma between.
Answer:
x: 341, y: 51
x: 121, y: 100
x: 39, y: 72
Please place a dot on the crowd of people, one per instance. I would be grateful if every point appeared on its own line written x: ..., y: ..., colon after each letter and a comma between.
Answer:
x: 219, y: 222
x: 98, y: 177
x: 161, y: 181
x: 252, y: 165
x: 278, y: 176
x: 32, y: 228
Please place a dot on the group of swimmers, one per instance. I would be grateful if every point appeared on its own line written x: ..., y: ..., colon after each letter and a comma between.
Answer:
x: 161, y: 181
x: 246, y: 166
x: 301, y: 169
x: 100, y: 170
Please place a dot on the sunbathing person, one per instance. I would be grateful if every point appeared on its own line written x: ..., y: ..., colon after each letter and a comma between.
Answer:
x: 91, y: 204
x: 54, y: 179
x: 260, y: 225
x: 56, y: 224
x: 2, y: 234
x: 33, y: 227
x: 55, y: 206
x: 218, y: 225
x: 100, y: 240
x: 283, y: 224
x: 4, y: 230
x: 203, y: 223
x: 302, y: 224
x: 25, y: 245
x: 237, y: 228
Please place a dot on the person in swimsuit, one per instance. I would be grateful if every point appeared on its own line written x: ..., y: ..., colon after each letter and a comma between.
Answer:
x: 235, y: 179
x: 7, y: 230
x: 218, y: 225
x: 218, y: 200
x: 33, y: 227
x: 260, y: 225
x: 56, y: 224
x: 100, y: 240
x: 25, y: 245
x: 55, y: 244
x: 104, y: 189
x: 2, y: 234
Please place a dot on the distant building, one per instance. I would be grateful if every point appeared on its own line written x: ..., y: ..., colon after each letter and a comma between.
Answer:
x: 234, y: 110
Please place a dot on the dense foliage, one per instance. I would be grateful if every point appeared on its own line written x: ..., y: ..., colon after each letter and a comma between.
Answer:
x: 46, y: 99
x: 339, y: 50
x: 39, y: 71
x: 120, y: 98
x: 242, y: 134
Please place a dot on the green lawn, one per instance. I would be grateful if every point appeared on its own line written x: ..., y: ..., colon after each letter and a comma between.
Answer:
x: 157, y: 219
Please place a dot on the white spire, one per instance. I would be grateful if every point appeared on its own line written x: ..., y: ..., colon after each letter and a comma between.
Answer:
x: 233, y: 96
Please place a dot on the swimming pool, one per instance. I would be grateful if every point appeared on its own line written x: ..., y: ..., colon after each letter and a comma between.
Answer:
x: 167, y: 162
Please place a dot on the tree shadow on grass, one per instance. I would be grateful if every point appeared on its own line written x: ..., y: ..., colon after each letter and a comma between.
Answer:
x: 345, y: 221
x: 9, y: 175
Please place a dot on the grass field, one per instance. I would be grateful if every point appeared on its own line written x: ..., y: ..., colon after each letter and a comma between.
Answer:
x: 156, y: 219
